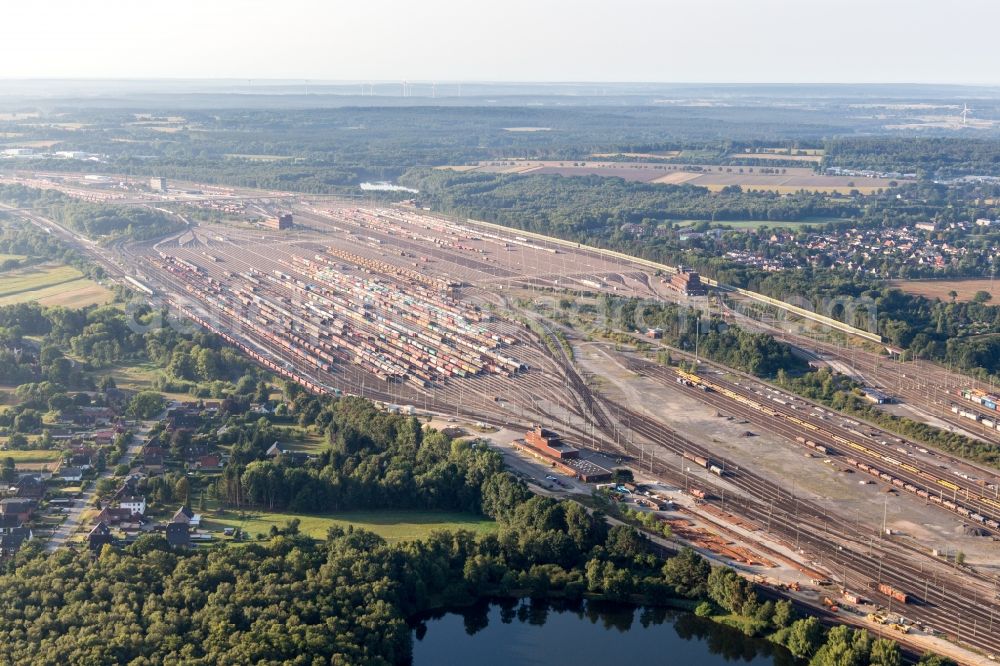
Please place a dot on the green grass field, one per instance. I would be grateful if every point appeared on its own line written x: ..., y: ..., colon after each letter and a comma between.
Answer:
x: 5, y: 257
x: 139, y: 377
x: 772, y: 224
x: 301, y: 439
x: 391, y: 525
x: 51, y: 284
x: 31, y: 455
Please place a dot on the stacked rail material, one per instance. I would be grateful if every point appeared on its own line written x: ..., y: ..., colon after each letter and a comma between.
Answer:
x: 396, y: 331
x: 980, y: 508
x: 389, y: 269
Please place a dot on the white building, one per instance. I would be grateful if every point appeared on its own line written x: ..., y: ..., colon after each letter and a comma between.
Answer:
x: 134, y: 503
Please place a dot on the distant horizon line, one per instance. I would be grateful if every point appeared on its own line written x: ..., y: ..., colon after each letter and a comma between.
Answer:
x: 431, y: 81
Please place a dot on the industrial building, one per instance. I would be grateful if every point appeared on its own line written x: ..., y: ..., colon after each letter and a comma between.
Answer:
x: 158, y: 184
x: 549, y: 444
x: 687, y: 282
x: 279, y: 223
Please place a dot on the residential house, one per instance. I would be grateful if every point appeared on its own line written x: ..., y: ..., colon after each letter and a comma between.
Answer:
x: 134, y: 503
x: 187, y: 516
x: 178, y: 535
x: 99, y: 537
x: 20, y: 507
x: 119, y: 517
x: 294, y: 457
x: 10, y: 522
x: 182, y: 418
x: 84, y: 457
x: 152, y: 458
x: 12, y: 541
x: 70, y: 474
x: 30, y: 486
x: 104, y: 437
x: 209, y: 461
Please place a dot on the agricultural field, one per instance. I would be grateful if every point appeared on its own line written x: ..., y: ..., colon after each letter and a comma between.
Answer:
x: 777, y: 157
x: 714, y: 177
x: 965, y: 289
x: 30, y: 456
x: 771, y: 224
x: 666, y: 154
x: 781, y: 153
x: 51, y: 284
x: 4, y: 257
x: 391, y: 525
x: 259, y: 158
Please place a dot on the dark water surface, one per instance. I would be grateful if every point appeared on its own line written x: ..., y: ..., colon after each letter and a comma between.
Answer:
x: 585, y: 632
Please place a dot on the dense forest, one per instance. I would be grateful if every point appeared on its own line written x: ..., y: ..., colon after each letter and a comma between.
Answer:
x: 346, y: 600
x: 18, y: 238
x: 588, y: 207
x: 335, y: 148
x: 49, y: 376
x: 98, y: 221
x: 928, y: 157
x: 756, y: 353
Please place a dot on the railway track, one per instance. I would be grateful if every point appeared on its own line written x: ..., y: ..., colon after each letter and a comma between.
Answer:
x: 838, y: 542
x: 963, y: 499
x: 828, y: 536
x: 921, y: 384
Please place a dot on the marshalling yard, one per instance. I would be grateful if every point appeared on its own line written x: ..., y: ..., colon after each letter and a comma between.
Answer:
x: 426, y: 315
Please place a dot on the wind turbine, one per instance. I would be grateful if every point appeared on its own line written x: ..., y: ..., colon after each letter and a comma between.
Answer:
x: 965, y: 112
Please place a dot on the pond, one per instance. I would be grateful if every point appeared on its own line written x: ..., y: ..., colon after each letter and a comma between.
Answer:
x: 565, y: 633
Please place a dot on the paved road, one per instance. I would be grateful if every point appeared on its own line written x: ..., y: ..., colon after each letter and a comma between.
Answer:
x: 74, y: 516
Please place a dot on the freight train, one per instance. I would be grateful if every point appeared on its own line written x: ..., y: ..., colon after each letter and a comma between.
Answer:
x: 990, y: 506
x: 707, y: 463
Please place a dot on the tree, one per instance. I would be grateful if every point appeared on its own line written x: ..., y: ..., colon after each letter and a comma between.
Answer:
x: 885, y: 653
x: 730, y: 590
x: 843, y: 647
x: 60, y: 402
x: 804, y: 636
x: 784, y: 613
x: 8, y: 472
x: 687, y: 572
x: 502, y: 493
x: 982, y: 296
x: 146, y: 404
x: 182, y: 490
x: 623, y: 475
x: 952, y: 295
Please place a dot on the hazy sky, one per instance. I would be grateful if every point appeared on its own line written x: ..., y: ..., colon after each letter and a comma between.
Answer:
x: 516, y: 40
